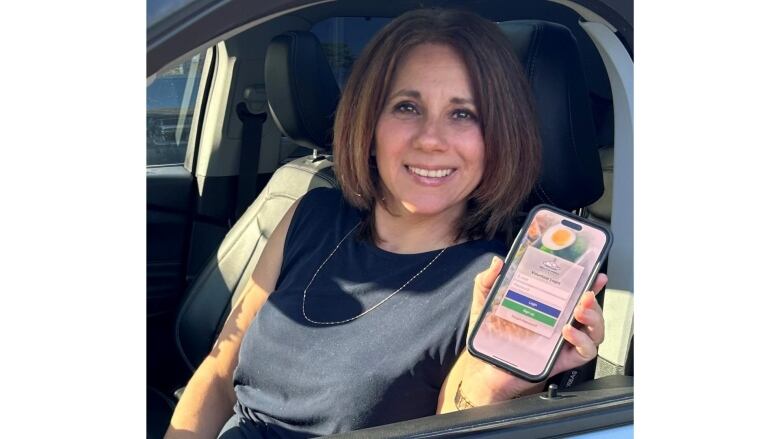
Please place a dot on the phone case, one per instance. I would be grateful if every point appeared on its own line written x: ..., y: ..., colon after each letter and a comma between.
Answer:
x: 509, y: 265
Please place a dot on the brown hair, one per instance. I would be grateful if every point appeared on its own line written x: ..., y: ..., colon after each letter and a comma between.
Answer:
x: 501, y: 95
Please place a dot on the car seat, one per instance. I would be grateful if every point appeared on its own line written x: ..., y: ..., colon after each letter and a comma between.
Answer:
x: 302, y: 96
x: 571, y: 172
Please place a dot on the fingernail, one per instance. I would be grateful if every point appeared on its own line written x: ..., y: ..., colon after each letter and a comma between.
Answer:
x: 495, y: 261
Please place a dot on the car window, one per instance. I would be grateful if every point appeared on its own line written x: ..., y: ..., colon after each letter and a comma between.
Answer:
x: 170, y: 100
x: 343, y: 38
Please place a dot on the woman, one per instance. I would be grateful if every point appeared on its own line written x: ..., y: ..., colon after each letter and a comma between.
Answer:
x: 376, y: 286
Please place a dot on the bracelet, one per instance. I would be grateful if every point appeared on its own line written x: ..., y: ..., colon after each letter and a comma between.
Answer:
x: 460, y: 401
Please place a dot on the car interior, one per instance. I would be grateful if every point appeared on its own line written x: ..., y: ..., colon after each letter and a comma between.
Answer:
x: 254, y: 132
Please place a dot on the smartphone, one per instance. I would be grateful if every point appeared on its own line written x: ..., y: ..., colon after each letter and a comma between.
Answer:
x: 552, y: 262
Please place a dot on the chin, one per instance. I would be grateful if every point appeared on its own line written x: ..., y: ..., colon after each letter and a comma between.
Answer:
x: 421, y: 207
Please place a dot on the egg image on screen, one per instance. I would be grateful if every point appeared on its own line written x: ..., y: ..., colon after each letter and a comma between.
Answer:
x: 558, y: 237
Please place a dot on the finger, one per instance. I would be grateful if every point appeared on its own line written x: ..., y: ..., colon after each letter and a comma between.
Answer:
x: 485, y: 280
x: 588, y: 316
x: 588, y: 313
x: 593, y: 322
x: 599, y: 283
x: 582, y: 343
x: 588, y: 301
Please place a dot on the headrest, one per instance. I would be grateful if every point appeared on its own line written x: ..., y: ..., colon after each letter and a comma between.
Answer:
x: 571, y: 172
x: 302, y: 92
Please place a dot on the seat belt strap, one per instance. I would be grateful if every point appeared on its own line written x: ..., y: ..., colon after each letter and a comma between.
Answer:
x: 251, y: 139
x: 572, y: 377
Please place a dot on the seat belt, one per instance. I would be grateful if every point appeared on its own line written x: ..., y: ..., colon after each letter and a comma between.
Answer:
x: 251, y: 138
x: 572, y: 377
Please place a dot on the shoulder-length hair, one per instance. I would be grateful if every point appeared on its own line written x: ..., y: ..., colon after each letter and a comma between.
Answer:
x: 501, y: 95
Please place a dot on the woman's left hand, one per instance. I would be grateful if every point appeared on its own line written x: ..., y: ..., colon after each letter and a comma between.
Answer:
x: 483, y: 383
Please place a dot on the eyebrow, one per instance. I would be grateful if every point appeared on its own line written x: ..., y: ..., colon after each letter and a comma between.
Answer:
x: 461, y: 101
x: 416, y: 95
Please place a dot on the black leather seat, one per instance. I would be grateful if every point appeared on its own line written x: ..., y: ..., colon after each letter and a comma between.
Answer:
x: 571, y: 172
x: 303, y: 95
x: 302, y: 98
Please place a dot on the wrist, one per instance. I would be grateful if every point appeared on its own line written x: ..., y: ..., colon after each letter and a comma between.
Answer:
x: 487, y: 384
x: 475, y: 394
x: 468, y: 395
x: 461, y: 402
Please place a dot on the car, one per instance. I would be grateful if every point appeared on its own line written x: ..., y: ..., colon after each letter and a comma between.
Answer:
x: 219, y: 177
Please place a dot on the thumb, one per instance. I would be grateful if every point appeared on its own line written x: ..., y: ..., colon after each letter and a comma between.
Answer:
x: 482, y: 285
x: 485, y: 280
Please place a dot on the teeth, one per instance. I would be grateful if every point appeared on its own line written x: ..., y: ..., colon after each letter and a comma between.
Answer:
x: 439, y: 173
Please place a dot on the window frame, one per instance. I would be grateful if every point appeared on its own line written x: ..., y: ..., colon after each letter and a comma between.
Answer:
x: 190, y: 147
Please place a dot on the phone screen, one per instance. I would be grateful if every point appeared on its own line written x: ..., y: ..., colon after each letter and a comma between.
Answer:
x: 555, y: 258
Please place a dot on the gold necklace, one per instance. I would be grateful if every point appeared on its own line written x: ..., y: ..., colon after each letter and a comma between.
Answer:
x: 303, y: 305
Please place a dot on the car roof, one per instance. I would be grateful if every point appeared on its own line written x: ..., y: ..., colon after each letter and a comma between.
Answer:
x: 176, y: 28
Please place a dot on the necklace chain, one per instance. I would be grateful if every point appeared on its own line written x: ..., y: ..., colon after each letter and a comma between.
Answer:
x: 303, y: 305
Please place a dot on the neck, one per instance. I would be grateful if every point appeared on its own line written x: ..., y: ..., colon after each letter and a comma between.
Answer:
x: 410, y: 233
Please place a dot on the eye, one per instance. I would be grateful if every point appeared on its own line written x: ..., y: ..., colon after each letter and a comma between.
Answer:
x: 462, y: 114
x: 405, y: 108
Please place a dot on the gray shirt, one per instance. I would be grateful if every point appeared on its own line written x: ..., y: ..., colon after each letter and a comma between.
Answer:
x: 298, y: 379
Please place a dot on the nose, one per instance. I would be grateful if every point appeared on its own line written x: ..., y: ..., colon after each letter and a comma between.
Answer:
x: 431, y: 136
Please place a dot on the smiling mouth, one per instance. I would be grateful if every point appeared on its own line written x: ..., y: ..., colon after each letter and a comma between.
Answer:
x: 430, y: 173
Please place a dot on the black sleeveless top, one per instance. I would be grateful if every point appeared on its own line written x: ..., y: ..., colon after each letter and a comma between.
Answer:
x: 298, y: 379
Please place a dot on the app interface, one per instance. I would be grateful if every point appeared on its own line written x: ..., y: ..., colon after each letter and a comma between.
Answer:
x: 539, y: 291
x: 537, y: 295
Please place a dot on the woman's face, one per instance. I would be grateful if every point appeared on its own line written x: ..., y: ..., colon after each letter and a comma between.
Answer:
x: 429, y: 148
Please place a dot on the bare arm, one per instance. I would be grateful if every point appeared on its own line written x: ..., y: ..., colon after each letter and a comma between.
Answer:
x: 208, y: 400
x: 471, y: 395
